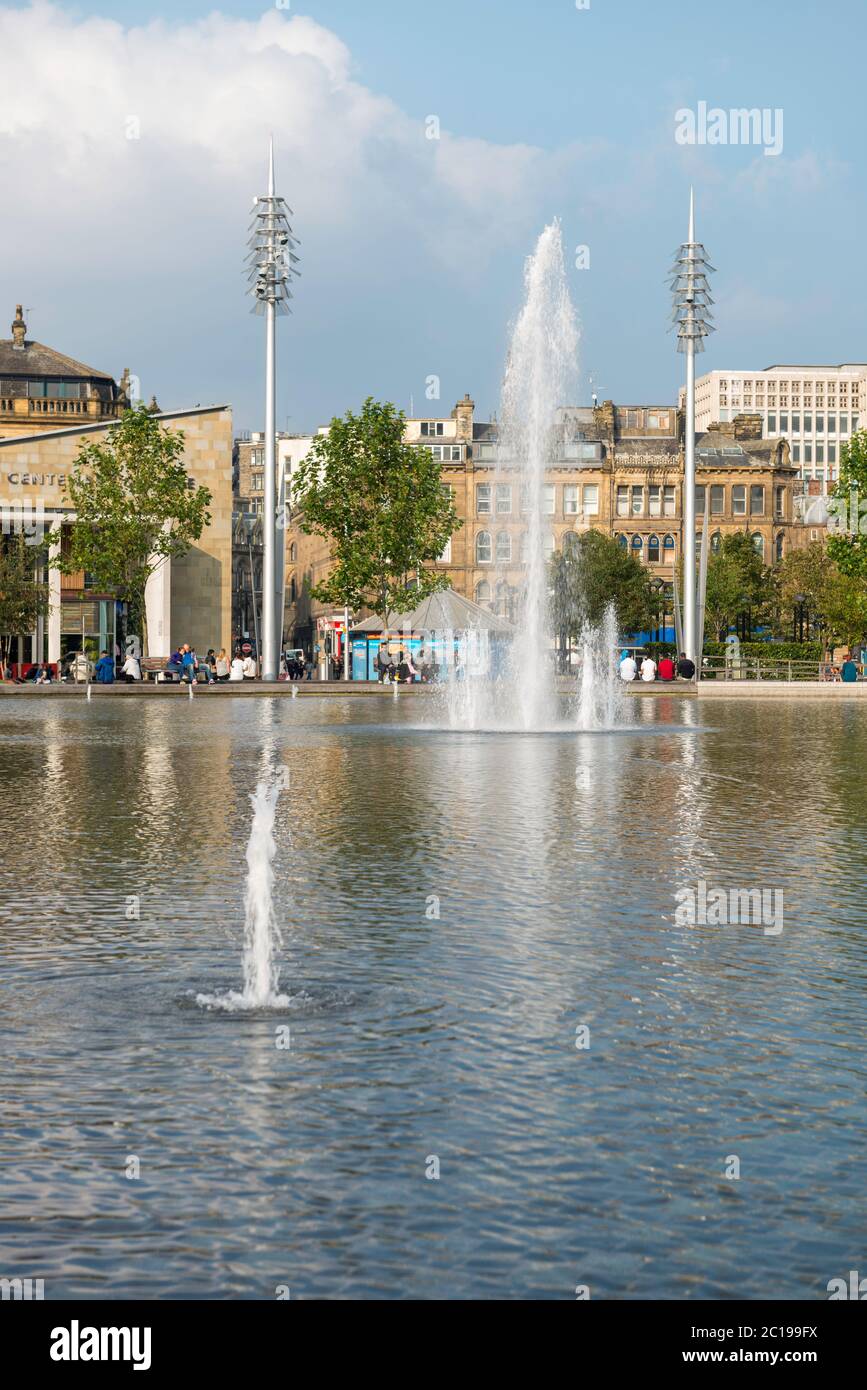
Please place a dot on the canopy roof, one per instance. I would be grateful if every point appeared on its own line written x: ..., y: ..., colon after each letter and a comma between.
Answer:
x: 444, y: 611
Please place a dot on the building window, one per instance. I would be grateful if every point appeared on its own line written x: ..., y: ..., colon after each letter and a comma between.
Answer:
x: 654, y: 499
x: 548, y: 499
x: 844, y: 424
x: 638, y: 547
x: 570, y: 499
x: 832, y: 424
x: 739, y: 499
x: 570, y: 543
x: 446, y: 557
x: 717, y: 499
x: 591, y: 499
x: 638, y: 501
x: 820, y: 424
x: 257, y: 482
x: 669, y: 501
x: 504, y: 499
x: 808, y: 424
x: 808, y: 453
x: 699, y: 499
x: 293, y: 590
x: 772, y: 423
x: 653, y: 550
x: 784, y: 424
x: 293, y: 553
x: 483, y: 592
x: 504, y: 548
x: 796, y: 453
x: 758, y: 541
x: 483, y: 499
x: 431, y: 428
x: 657, y: 421
x: 832, y: 453
x: 779, y: 501
x: 668, y: 550
x: 715, y: 543
x: 778, y: 546
x: 622, y: 541
x: 483, y: 548
x: 796, y: 424
x: 622, y: 501
x: 757, y: 500
x: 549, y: 543
x: 820, y: 453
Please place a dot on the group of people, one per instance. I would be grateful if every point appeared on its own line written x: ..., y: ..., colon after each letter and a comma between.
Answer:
x: 848, y: 672
x: 214, y: 669
x: 650, y: 670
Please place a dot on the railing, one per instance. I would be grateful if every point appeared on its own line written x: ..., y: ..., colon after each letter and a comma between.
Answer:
x: 752, y: 668
x: 50, y: 406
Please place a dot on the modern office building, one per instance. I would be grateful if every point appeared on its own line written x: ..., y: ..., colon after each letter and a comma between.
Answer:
x: 816, y: 408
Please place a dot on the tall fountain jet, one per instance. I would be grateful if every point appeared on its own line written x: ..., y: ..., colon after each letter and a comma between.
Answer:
x: 271, y: 262
x: 540, y: 372
x: 691, y: 314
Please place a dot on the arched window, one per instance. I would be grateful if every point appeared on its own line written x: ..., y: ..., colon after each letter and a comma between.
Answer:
x: 293, y: 553
x: 570, y: 543
x: 653, y: 550
x: 504, y: 548
x: 779, y: 545
x: 483, y: 592
x: 715, y: 543
x: 549, y: 543
x: 638, y: 547
x: 293, y: 590
x: 668, y: 550
x: 758, y: 541
x: 483, y: 548
x: 622, y: 541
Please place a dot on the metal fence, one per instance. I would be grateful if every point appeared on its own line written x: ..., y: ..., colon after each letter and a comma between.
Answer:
x: 752, y: 668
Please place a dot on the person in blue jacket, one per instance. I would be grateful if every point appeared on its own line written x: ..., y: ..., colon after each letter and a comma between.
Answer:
x: 849, y: 671
x: 105, y: 669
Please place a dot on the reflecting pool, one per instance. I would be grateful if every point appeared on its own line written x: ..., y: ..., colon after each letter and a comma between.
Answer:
x: 490, y: 978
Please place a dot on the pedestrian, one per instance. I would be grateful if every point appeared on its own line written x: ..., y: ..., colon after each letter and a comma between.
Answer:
x: 131, y: 670
x: 236, y: 672
x: 222, y: 666
x: 249, y: 666
x: 648, y: 669
x: 105, y: 669
x: 189, y: 664
x: 686, y: 668
x: 849, y: 670
x: 628, y: 668
x: 665, y: 670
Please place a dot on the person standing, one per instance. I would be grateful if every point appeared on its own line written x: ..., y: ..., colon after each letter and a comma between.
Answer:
x: 849, y: 670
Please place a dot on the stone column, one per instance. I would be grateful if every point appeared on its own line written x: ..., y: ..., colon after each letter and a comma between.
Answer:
x: 158, y: 604
x: 54, y: 601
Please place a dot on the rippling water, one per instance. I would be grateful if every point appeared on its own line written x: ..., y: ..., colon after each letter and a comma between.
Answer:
x: 553, y: 862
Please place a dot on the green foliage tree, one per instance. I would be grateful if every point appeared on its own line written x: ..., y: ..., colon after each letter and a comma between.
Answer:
x: 382, y: 505
x: 23, y: 597
x: 735, y: 575
x: 839, y: 597
x: 847, y: 542
x: 134, y: 509
x: 595, y: 571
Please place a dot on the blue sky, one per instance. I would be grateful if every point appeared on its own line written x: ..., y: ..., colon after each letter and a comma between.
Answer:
x: 127, y: 251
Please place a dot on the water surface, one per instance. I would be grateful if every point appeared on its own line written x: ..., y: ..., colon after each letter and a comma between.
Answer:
x: 552, y: 863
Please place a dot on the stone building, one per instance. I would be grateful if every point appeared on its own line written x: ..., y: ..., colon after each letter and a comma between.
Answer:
x: 617, y: 469
x: 42, y: 389
x: 188, y: 600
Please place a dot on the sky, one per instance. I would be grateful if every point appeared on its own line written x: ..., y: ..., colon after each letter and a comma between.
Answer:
x: 133, y: 137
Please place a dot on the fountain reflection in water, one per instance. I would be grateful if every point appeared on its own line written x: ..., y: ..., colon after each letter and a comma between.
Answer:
x: 519, y: 690
x: 262, y: 939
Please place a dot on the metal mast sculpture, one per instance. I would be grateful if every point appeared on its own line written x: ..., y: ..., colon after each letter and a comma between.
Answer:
x: 694, y: 321
x: 271, y: 262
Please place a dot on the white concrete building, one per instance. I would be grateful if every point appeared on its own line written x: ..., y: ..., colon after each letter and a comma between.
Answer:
x: 816, y: 408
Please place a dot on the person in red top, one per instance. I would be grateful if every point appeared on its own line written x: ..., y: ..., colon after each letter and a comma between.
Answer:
x: 665, y: 669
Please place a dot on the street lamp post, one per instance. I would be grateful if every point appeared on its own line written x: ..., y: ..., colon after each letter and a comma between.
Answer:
x: 271, y: 261
x: 692, y: 317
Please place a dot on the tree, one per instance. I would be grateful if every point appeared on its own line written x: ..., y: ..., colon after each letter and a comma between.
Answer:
x: 736, y: 577
x: 593, y: 573
x: 134, y: 509
x: 847, y: 540
x: 811, y: 576
x: 23, y: 598
x: 382, y: 505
